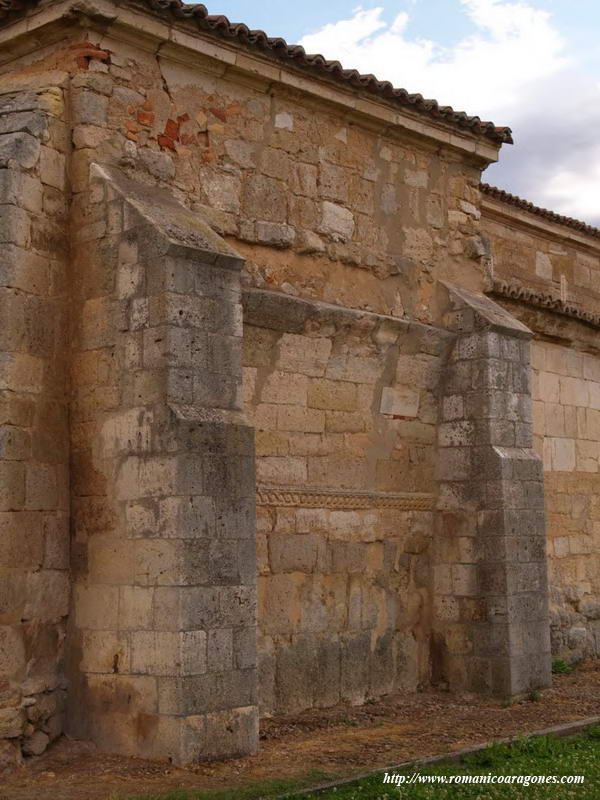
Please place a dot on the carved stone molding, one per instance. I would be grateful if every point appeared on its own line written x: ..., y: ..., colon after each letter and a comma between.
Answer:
x: 540, y: 299
x: 341, y: 499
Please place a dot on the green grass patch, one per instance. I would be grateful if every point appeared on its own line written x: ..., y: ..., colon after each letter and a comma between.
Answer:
x: 543, y: 755
x: 248, y: 791
x: 560, y: 667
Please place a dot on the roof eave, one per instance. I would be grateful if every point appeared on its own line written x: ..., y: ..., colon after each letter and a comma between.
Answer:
x: 182, y: 40
x: 496, y: 203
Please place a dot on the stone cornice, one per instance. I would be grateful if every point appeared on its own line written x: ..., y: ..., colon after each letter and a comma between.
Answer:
x: 547, y: 226
x: 341, y: 499
x: 275, y: 310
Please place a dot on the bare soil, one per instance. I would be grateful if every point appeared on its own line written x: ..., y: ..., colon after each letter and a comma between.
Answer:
x: 337, y: 741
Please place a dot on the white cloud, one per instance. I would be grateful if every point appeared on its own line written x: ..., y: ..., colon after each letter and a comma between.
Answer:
x: 347, y: 32
x: 560, y: 188
x: 514, y: 68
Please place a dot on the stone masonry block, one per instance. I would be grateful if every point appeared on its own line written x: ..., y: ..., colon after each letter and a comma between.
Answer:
x: 280, y: 387
x: 191, y: 516
x: 453, y: 463
x: 22, y: 269
x: 96, y: 607
x: 453, y: 407
x: 12, y: 652
x: 456, y: 434
x: 212, y: 691
x: 52, y: 168
x: 21, y: 189
x: 42, y: 488
x: 333, y: 395
x: 12, y: 485
x: 168, y: 653
x: 22, y: 539
x: 15, y: 443
x: 15, y: 226
x: 88, y: 107
x: 48, y: 596
x: 336, y: 221
x: 296, y: 553
x: 20, y: 149
x: 282, y: 470
x: 301, y: 419
x: 136, y: 608
x: 344, y: 422
x: 167, y: 345
x: 220, y: 650
x: 213, y: 390
x: 275, y: 234
x: 27, y: 121
x: 104, y: 652
x: 303, y: 354
x: 231, y: 733
x: 244, y: 648
x: 399, y: 401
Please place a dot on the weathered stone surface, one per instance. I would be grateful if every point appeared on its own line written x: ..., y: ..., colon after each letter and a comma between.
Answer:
x: 171, y: 458
x: 336, y: 220
x: 130, y: 189
x: 400, y: 402
x: 12, y: 722
x: 10, y: 753
x: 482, y: 478
x: 19, y: 149
x: 35, y: 744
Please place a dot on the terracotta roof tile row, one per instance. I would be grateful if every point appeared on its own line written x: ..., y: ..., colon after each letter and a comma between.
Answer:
x: 278, y: 48
x: 551, y: 216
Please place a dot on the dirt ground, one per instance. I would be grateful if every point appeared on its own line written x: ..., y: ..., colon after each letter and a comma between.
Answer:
x: 337, y: 741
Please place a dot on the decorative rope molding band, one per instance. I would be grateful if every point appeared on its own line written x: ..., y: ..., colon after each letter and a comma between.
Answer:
x: 514, y: 291
x: 338, y: 498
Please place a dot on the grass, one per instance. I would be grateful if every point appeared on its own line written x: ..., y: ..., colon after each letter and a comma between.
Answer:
x: 542, y: 755
x: 560, y: 667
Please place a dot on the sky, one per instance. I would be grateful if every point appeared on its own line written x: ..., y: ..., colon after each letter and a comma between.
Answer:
x: 531, y: 64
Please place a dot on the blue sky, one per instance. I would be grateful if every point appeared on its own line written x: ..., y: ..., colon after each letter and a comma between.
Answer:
x: 530, y: 64
x: 434, y: 19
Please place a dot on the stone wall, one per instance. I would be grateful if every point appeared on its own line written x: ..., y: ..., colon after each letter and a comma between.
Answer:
x: 161, y: 639
x: 320, y: 201
x: 245, y: 251
x: 319, y: 204
x: 34, y: 442
x: 326, y: 207
x: 566, y: 391
x: 547, y: 274
x: 549, y: 260
x: 344, y: 408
